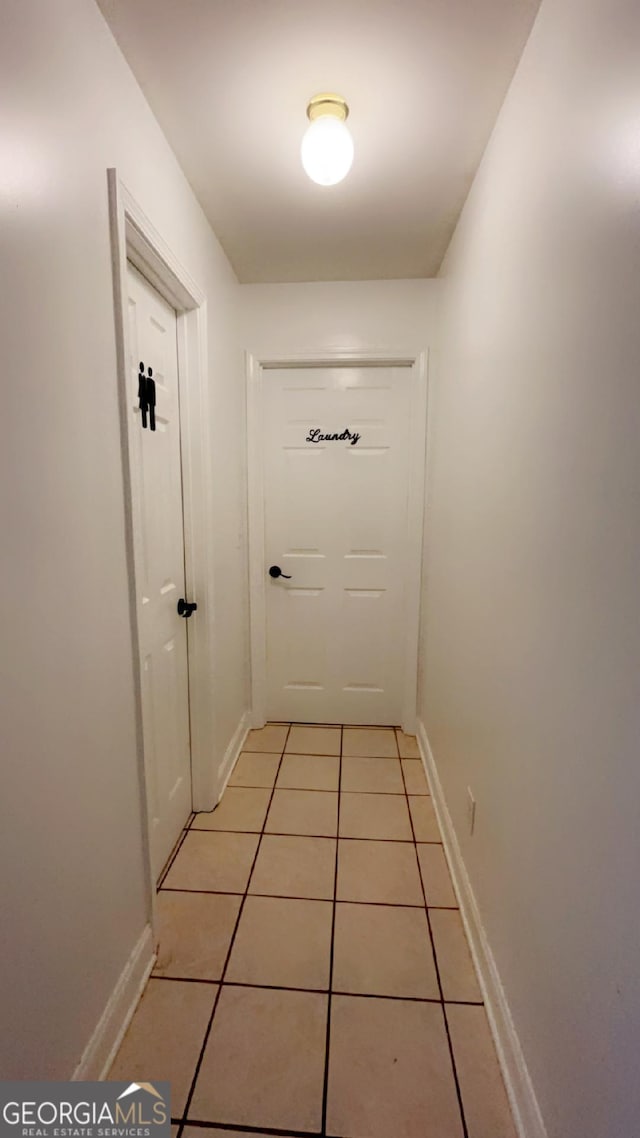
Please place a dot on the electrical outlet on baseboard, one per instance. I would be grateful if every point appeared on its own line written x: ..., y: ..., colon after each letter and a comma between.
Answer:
x: 471, y: 811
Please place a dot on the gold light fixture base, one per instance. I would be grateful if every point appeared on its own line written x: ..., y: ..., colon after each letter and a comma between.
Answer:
x: 327, y: 104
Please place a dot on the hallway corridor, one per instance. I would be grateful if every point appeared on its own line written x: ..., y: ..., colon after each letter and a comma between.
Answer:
x: 313, y: 975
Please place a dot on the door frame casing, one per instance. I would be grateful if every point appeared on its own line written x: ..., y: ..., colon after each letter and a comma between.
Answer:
x: 134, y: 238
x: 255, y: 369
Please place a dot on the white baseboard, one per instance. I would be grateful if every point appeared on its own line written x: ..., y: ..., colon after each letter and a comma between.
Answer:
x: 522, y: 1098
x: 232, y: 753
x: 114, y: 1021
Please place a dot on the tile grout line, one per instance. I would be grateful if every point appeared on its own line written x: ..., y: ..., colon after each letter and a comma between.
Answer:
x: 319, y: 790
x: 325, y: 1088
x: 266, y: 1131
x: 175, y: 851
x: 297, y: 897
x: 302, y: 754
x: 194, y: 1080
x: 435, y: 959
x: 320, y: 991
x: 173, y: 855
x: 295, y: 834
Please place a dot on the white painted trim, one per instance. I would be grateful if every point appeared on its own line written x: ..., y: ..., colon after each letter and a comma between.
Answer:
x: 339, y: 358
x: 116, y: 1017
x: 522, y: 1098
x: 373, y: 356
x: 257, y: 594
x: 134, y: 237
x: 255, y: 488
x: 232, y: 753
x: 197, y: 483
x: 415, y: 532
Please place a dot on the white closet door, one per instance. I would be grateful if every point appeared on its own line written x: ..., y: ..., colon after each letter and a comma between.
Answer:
x: 336, y: 523
x: 159, y: 559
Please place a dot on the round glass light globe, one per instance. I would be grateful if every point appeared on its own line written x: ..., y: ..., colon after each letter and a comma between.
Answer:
x: 327, y: 150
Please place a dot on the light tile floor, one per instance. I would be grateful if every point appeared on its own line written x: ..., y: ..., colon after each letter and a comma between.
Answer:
x: 313, y: 976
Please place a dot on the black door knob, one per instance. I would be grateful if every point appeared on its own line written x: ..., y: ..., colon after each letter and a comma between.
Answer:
x: 185, y: 608
x: 276, y: 571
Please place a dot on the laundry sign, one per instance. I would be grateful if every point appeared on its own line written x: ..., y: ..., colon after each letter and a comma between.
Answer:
x: 346, y: 436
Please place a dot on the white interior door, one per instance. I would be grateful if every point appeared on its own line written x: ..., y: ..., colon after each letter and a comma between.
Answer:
x: 159, y: 565
x: 336, y: 461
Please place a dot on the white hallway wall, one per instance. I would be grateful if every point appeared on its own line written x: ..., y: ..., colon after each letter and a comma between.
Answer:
x: 351, y: 316
x: 531, y: 640
x: 283, y: 320
x: 73, y: 901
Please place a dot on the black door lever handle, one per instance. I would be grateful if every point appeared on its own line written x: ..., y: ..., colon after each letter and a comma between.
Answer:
x: 275, y: 572
x: 186, y: 608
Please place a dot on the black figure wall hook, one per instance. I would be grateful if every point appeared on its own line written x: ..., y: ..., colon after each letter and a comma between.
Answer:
x: 147, y: 396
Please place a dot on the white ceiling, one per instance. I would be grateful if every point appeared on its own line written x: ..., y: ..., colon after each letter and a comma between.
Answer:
x: 229, y: 81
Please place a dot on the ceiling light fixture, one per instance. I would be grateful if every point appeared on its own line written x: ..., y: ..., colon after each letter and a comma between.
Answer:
x: 327, y: 147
